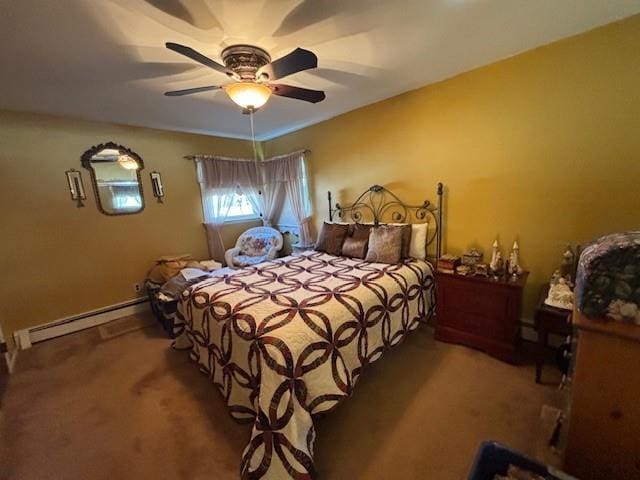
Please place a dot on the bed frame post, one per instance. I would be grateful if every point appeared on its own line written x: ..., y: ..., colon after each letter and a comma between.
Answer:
x: 440, y: 226
x: 330, y: 212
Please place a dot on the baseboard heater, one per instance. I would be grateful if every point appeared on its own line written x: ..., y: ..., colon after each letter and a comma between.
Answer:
x: 28, y: 336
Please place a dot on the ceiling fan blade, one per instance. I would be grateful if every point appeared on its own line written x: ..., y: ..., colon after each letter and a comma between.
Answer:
x: 198, y: 57
x: 189, y: 91
x: 297, y: 61
x: 312, y: 96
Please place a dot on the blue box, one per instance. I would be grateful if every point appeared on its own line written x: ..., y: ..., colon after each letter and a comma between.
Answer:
x: 494, y: 459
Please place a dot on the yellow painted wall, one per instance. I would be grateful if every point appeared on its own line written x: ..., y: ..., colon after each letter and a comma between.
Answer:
x: 58, y: 260
x: 543, y: 147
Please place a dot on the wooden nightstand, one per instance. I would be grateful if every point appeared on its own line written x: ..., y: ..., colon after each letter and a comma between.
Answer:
x: 480, y: 312
x: 548, y: 320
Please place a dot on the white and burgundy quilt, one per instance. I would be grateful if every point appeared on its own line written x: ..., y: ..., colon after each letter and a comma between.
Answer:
x: 288, y: 339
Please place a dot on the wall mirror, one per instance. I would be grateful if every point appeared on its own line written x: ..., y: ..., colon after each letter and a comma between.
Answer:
x: 115, y: 174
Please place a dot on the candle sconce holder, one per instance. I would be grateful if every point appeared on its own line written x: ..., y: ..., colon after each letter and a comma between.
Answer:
x: 76, y: 187
x: 157, y: 186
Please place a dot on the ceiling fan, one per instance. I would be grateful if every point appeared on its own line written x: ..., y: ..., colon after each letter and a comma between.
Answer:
x: 253, y: 71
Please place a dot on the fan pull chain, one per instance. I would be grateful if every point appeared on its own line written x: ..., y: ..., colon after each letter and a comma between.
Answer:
x: 253, y: 140
x: 255, y: 150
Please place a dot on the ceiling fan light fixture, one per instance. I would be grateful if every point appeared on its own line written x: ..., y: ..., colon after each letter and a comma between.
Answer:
x: 253, y: 71
x: 248, y: 95
x: 127, y: 162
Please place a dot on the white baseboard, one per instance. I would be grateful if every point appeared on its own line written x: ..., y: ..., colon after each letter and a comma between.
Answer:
x: 28, y: 336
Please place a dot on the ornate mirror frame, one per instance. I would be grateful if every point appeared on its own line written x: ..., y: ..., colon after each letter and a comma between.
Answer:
x: 85, y: 160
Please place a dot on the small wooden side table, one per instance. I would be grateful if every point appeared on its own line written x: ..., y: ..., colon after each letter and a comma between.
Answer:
x: 548, y: 320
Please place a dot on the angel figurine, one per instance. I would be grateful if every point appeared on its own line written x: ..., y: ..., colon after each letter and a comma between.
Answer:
x: 514, y: 260
x: 495, y: 257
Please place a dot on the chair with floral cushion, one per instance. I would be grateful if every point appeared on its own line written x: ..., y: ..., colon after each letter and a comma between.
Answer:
x: 256, y: 245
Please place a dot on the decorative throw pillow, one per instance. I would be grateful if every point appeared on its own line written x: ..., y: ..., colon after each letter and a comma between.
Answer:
x: 355, y: 247
x: 418, y: 247
x: 331, y: 238
x: 385, y: 244
x: 255, y: 246
x: 360, y: 231
x: 406, y: 238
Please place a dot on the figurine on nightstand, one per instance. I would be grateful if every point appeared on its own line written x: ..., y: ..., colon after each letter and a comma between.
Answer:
x: 560, y: 285
x: 463, y: 270
x: 472, y: 258
x: 560, y: 294
x: 568, y: 263
x: 496, y: 257
x: 481, y: 270
x: 514, y: 260
x: 498, y: 266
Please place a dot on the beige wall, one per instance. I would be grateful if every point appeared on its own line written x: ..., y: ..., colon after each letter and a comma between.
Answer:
x: 59, y: 260
x: 543, y: 147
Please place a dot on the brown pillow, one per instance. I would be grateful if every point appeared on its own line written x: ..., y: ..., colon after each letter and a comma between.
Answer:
x: 406, y: 240
x: 331, y: 238
x: 355, y: 247
x: 385, y: 245
x: 360, y: 231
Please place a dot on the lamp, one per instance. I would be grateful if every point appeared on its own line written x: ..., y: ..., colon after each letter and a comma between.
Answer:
x: 248, y: 95
x: 127, y: 162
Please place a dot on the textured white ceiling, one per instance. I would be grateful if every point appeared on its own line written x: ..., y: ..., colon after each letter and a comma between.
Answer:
x: 105, y: 59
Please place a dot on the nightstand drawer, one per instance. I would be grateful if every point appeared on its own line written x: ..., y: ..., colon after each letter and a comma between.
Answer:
x: 479, y: 324
x: 479, y: 312
x: 475, y: 298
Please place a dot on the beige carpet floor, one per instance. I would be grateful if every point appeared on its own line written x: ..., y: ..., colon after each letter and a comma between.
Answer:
x: 86, y: 407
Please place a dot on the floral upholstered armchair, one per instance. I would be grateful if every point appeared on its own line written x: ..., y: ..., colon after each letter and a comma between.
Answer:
x: 254, y: 246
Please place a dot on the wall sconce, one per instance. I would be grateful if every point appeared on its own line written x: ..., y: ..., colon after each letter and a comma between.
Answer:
x: 156, y: 183
x: 76, y: 187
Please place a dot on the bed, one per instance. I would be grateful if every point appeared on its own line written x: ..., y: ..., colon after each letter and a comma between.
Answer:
x: 287, y: 340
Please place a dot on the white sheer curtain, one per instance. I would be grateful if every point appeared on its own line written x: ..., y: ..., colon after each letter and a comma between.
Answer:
x: 217, y: 207
x: 220, y: 178
x: 266, y: 185
x: 244, y: 174
x: 269, y: 198
x: 289, y: 171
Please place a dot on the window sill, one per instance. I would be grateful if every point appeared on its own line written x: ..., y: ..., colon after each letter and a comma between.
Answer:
x: 242, y: 220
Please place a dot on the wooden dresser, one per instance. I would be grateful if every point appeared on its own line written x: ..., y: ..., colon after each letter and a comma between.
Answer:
x: 480, y: 312
x: 603, y: 440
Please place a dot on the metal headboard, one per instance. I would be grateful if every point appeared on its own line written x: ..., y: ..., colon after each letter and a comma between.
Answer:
x: 377, y: 203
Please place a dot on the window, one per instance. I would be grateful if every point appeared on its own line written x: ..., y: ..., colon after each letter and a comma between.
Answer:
x: 240, y: 209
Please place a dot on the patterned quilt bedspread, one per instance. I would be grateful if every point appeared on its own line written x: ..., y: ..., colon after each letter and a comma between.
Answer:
x: 288, y: 339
